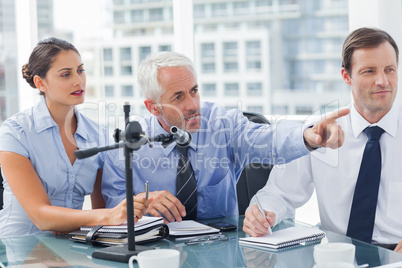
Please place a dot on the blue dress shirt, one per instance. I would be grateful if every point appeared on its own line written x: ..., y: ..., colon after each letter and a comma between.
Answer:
x: 34, y: 134
x: 225, y: 143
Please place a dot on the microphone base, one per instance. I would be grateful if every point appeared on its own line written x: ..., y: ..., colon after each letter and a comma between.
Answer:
x: 118, y: 253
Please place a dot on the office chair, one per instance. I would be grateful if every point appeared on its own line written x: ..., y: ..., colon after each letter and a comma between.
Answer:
x: 254, y: 176
x: 1, y: 190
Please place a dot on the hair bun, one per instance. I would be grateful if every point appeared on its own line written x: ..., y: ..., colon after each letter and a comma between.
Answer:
x: 27, y: 75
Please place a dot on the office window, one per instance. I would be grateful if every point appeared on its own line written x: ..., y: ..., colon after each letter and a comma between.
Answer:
x: 144, y: 51
x: 280, y: 109
x: 137, y: 15
x: 118, y: 2
x: 107, y: 54
x: 315, y: 25
x: 209, y: 90
x: 231, y: 89
x: 253, y: 65
x: 337, y: 23
x: 230, y: 67
x: 291, y: 27
x: 263, y: 3
x: 125, y: 54
x: 109, y: 91
x: 253, y: 48
x: 199, y: 11
x: 108, y: 71
x: 291, y: 47
x: 230, y: 49
x: 207, y: 50
x: 254, y: 89
x: 126, y: 70
x: 219, y: 10
x: 255, y: 109
x: 316, y: 45
x: 208, y: 68
x: 165, y: 48
x: 156, y: 14
x: 118, y: 17
x: 304, y: 109
x: 127, y: 91
x: 317, y: 66
x: 241, y: 8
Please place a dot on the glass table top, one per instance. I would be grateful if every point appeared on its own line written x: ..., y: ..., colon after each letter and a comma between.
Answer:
x: 46, y: 250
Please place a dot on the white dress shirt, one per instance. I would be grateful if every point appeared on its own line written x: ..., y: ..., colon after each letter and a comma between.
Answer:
x: 334, y: 173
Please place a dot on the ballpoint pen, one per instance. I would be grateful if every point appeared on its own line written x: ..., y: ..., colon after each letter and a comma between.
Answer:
x: 146, y: 190
x: 263, y: 213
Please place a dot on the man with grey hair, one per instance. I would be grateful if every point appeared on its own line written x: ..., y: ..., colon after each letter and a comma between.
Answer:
x: 223, y: 143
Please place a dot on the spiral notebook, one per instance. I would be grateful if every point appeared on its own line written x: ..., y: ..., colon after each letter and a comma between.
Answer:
x: 284, y: 238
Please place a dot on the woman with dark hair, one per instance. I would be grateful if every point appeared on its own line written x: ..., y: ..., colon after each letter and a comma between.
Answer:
x: 44, y: 183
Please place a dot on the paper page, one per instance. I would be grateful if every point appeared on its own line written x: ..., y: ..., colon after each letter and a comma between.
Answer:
x: 144, y: 222
x: 190, y: 227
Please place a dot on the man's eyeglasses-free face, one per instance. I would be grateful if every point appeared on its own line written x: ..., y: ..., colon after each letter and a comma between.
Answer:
x: 207, y: 239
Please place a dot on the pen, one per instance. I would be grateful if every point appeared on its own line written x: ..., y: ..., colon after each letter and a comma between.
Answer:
x: 262, y: 212
x: 146, y: 190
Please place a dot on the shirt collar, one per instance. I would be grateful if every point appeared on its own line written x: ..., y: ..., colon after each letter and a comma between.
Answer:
x: 43, y: 120
x: 156, y: 129
x: 41, y: 116
x: 388, y: 123
x: 82, y: 131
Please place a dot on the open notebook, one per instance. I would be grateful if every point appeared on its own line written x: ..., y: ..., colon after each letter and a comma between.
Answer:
x: 284, y: 238
x: 189, y: 228
x: 147, y: 229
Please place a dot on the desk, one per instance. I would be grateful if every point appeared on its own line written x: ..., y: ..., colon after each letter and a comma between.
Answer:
x: 51, y: 251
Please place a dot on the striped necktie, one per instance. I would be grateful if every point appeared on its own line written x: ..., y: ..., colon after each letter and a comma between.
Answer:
x: 186, y: 184
x: 362, y: 213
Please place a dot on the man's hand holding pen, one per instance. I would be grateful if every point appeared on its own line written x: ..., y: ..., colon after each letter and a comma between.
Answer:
x: 257, y: 223
x: 163, y: 203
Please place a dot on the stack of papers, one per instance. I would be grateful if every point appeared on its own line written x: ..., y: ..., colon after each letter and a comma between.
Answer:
x: 147, y: 229
x: 189, y: 228
x: 143, y: 223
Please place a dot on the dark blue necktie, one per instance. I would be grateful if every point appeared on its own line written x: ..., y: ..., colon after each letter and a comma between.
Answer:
x: 186, y: 184
x: 362, y: 214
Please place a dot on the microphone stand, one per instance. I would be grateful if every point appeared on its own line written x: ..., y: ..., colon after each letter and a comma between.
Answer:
x: 134, y: 139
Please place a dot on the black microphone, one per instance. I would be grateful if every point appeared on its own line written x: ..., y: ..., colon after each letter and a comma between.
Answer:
x: 80, y: 154
x: 182, y: 137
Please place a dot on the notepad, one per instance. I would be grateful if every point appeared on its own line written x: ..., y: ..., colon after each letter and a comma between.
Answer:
x: 284, y: 238
x: 189, y: 228
x: 143, y: 223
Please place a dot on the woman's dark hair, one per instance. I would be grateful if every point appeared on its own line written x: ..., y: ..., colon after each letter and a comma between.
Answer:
x: 364, y: 38
x: 42, y: 58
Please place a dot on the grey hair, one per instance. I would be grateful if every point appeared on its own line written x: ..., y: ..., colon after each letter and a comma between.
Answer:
x: 147, y: 76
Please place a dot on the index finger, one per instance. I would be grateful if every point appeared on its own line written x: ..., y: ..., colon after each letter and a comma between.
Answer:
x: 337, y: 114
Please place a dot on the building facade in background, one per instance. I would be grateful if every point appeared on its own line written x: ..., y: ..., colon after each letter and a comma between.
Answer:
x: 267, y: 56
x: 278, y: 57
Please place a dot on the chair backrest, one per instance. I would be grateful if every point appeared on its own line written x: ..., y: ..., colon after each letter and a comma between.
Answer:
x: 254, y: 176
x: 1, y: 190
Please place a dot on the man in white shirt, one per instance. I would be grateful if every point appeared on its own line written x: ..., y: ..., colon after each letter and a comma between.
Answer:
x: 369, y: 67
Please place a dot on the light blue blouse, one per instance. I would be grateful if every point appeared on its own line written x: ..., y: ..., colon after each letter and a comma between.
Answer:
x: 34, y: 134
x: 223, y: 146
